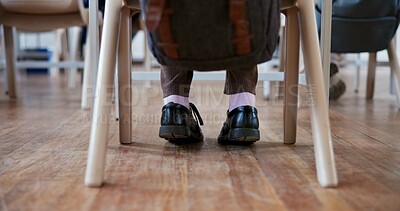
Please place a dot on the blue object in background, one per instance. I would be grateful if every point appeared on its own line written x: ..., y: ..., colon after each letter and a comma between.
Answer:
x: 37, y: 54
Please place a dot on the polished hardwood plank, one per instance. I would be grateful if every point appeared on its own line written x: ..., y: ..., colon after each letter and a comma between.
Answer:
x: 44, y: 138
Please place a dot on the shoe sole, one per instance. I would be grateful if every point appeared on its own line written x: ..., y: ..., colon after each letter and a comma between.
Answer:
x: 240, y: 136
x: 176, y: 134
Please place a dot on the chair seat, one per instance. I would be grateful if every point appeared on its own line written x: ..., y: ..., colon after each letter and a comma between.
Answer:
x: 40, y: 6
x: 133, y: 4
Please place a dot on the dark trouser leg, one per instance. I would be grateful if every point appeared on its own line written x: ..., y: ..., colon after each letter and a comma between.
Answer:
x: 241, y: 80
x: 175, y: 81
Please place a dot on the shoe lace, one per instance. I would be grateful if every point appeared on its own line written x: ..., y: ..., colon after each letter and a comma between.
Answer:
x: 196, y: 113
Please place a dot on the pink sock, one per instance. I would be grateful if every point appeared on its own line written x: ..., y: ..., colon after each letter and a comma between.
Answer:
x: 177, y: 99
x: 241, y: 99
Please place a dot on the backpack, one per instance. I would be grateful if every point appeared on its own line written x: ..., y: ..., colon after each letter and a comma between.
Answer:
x: 210, y: 34
x: 362, y: 25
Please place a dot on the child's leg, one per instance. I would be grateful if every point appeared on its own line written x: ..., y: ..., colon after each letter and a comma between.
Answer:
x: 177, y: 121
x: 241, y: 125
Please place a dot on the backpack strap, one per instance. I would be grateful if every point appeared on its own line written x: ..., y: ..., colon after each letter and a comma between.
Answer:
x: 154, y: 13
x: 167, y: 43
x: 242, y: 37
x: 158, y: 17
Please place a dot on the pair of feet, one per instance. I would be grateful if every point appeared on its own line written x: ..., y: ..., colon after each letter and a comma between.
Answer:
x: 182, y: 125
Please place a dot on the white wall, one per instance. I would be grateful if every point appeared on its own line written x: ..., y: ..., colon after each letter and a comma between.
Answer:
x: 37, y: 40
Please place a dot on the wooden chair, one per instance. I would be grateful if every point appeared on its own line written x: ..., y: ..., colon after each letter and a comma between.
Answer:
x: 36, y: 16
x: 301, y: 11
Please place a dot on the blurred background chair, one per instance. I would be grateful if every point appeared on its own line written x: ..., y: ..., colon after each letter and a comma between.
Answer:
x: 366, y: 26
x: 394, y: 69
x: 37, y: 16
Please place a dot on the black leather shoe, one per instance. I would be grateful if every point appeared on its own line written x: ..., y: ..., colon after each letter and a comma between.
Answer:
x: 240, y: 127
x: 178, y: 124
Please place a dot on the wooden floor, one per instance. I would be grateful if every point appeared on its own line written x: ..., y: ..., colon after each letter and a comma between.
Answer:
x: 44, y: 138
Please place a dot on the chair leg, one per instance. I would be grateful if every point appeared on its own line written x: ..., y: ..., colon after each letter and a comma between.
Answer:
x: 391, y: 84
x: 324, y: 157
x: 291, y: 75
x: 279, y: 85
x: 124, y: 78
x: 394, y: 66
x: 10, y: 61
x: 55, y: 57
x: 272, y: 90
x: 392, y: 76
x: 357, y: 73
x: 115, y: 98
x: 85, y: 101
x: 64, y: 48
x: 93, y: 38
x: 73, y: 41
x: 102, y: 103
x: 147, y: 56
x: 371, y: 75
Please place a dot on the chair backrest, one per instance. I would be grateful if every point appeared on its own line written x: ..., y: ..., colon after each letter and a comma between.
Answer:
x: 39, y: 15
